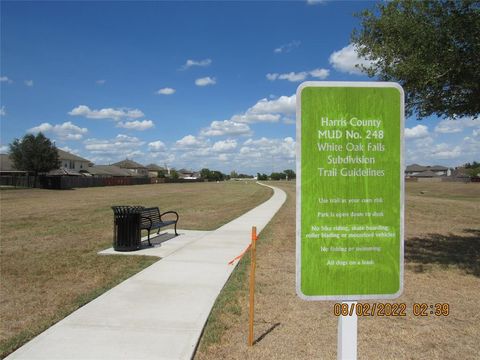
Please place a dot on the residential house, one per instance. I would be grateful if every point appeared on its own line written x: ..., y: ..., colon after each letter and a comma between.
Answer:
x: 420, y: 171
x: 109, y: 171
x: 7, y: 168
x: 188, y: 174
x: 70, y: 164
x: 154, y: 170
x: 136, y: 168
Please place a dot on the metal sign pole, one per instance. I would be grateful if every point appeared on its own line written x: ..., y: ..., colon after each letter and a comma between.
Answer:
x: 347, y: 334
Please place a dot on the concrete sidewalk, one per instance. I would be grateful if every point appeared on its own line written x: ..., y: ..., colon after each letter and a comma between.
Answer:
x: 160, y: 312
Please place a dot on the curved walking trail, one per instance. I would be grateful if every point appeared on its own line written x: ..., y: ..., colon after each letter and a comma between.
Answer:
x: 160, y: 312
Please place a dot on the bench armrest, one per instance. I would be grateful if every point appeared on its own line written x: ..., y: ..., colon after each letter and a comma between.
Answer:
x: 169, y: 212
x: 147, y: 218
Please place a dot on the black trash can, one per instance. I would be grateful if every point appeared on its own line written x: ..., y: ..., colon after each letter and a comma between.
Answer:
x: 126, y: 228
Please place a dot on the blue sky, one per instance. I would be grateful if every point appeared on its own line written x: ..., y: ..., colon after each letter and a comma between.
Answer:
x: 187, y: 84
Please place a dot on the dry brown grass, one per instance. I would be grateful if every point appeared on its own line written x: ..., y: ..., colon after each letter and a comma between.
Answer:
x: 50, y: 240
x: 442, y: 266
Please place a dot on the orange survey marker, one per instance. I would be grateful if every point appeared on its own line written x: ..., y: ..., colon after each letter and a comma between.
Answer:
x: 252, y: 285
x: 252, y: 247
x: 254, y: 238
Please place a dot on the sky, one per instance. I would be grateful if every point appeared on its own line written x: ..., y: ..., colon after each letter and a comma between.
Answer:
x: 187, y: 84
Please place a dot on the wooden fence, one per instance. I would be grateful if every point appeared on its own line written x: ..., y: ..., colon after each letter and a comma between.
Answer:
x: 70, y: 182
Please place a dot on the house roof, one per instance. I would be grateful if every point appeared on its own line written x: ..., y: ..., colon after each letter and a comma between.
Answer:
x: 460, y: 172
x: 6, y: 165
x: 63, y: 171
x: 64, y: 155
x: 438, y: 168
x: 427, y: 173
x: 111, y: 170
x: 129, y: 164
x: 416, y: 167
x: 154, y: 167
x: 185, y: 171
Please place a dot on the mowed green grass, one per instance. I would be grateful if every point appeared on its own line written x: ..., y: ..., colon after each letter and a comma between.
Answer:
x: 50, y: 240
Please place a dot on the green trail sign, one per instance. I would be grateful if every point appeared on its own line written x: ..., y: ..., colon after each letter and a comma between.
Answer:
x: 350, y: 190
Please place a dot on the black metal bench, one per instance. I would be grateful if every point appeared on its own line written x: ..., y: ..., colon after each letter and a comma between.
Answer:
x: 151, y: 219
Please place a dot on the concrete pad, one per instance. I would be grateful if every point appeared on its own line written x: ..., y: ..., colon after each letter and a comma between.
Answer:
x: 164, y: 244
x: 160, y: 312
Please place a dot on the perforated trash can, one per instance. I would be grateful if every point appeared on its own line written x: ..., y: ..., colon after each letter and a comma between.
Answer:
x: 126, y: 228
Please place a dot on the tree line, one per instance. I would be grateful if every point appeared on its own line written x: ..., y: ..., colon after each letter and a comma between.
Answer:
x: 285, y: 175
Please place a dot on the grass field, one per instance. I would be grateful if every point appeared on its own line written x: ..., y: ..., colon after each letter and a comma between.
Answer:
x: 442, y: 265
x: 50, y: 240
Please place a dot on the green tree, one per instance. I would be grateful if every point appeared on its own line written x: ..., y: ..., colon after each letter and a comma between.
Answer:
x: 205, y: 173
x: 473, y: 169
x: 431, y: 48
x: 277, y: 176
x: 233, y: 174
x: 174, y: 174
x: 35, y: 154
x: 262, y: 177
x: 290, y: 174
x: 217, y: 176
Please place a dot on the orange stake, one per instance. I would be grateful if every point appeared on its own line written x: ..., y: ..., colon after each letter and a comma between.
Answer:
x: 252, y: 284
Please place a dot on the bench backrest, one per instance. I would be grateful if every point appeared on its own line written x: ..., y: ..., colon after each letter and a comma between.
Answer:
x: 152, y: 213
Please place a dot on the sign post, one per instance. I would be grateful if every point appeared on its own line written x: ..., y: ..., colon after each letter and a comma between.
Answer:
x: 350, y: 192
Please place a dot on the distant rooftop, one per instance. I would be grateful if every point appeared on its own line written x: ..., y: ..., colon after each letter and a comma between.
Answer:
x: 6, y: 164
x: 427, y: 173
x: 111, y: 170
x: 154, y: 167
x: 129, y: 164
x: 64, y: 155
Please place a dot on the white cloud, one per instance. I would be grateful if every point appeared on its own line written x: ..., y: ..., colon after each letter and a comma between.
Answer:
x: 226, y: 127
x: 157, y: 146
x: 316, y: 2
x: 3, y: 112
x: 451, y: 151
x: 205, y: 81
x: 291, y: 76
x: 4, y: 149
x: 450, y: 126
x: 264, y: 152
x: 223, y: 157
x: 266, y: 110
x: 320, y: 73
x: 70, y: 150
x: 65, y: 131
x: 346, y: 59
x: 251, y: 156
x: 166, y: 91
x: 224, y: 145
x: 251, y: 117
x: 286, y: 48
x: 419, y: 131
x: 5, y: 79
x: 445, y: 151
x: 29, y: 83
x: 100, y: 82
x: 119, y: 147
x: 300, y: 76
x: 107, y: 113
x: 189, y: 141
x: 201, y: 63
x: 136, y: 125
x: 283, y: 105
